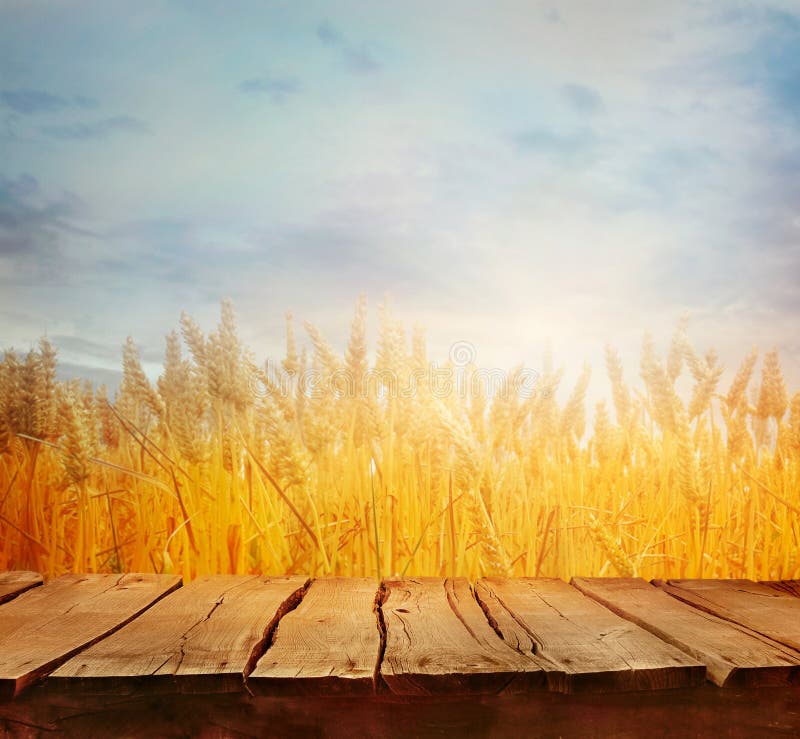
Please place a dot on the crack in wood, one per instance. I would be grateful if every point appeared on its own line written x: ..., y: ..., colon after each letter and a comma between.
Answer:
x: 535, y: 646
x: 451, y: 596
x: 378, y: 682
x: 261, y: 647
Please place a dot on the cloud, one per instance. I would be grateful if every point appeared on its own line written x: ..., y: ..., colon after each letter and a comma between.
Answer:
x: 774, y: 67
x: 97, y: 130
x: 74, y: 346
x: 664, y: 178
x: 583, y: 99
x: 277, y: 88
x: 357, y: 58
x: 112, y: 379
x: 33, y: 101
x: 345, y: 248
x: 329, y: 35
x: 551, y: 15
x: 82, y: 101
x: 196, y: 255
x: 358, y: 245
x: 736, y: 189
x: 360, y: 60
x: 27, y: 101
x: 162, y: 250
x: 562, y: 146
x: 29, y: 222
x: 765, y: 59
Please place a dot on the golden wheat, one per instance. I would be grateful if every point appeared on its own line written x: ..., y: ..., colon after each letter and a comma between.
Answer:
x: 328, y: 462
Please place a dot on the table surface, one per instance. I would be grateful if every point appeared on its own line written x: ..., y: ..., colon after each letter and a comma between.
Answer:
x: 146, y: 634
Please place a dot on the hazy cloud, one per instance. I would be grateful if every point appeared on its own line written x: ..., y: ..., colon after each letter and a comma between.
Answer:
x: 765, y: 60
x: 33, y: 101
x: 328, y: 34
x: 551, y: 15
x: 277, y: 88
x: 97, y: 129
x: 360, y: 60
x: 774, y: 66
x: 364, y: 242
x: 357, y: 58
x: 112, y: 379
x: 665, y: 171
x: 583, y: 99
x: 82, y: 101
x: 568, y: 146
x: 29, y: 222
x: 180, y: 254
x: 71, y: 346
x: 27, y: 101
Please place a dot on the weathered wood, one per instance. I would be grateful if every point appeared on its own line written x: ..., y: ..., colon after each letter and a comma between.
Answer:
x: 439, y: 641
x: 45, y: 626
x: 205, y: 637
x: 581, y: 644
x: 330, y: 644
x: 17, y: 582
x: 787, y: 586
x: 763, y: 609
x: 732, y: 654
x: 427, y: 636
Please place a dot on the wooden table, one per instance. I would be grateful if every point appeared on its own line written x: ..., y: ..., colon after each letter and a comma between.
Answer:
x: 103, y: 640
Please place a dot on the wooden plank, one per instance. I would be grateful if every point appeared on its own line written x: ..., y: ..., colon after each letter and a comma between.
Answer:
x: 581, y: 644
x: 204, y: 638
x: 45, y: 626
x: 330, y: 644
x: 787, y: 586
x: 732, y: 654
x: 763, y: 609
x: 17, y: 582
x: 439, y: 641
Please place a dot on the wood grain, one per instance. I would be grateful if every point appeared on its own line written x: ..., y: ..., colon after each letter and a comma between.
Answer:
x: 580, y: 644
x: 16, y: 582
x: 439, y: 641
x: 203, y: 638
x: 732, y: 654
x: 330, y: 644
x: 787, y: 586
x: 45, y: 626
x: 765, y: 610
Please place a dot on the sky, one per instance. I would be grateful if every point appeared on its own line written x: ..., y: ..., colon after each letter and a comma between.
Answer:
x: 512, y: 174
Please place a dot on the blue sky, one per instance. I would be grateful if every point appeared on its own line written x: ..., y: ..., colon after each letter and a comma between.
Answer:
x: 511, y: 173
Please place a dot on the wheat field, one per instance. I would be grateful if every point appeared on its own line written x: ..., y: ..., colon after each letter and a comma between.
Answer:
x: 225, y: 466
